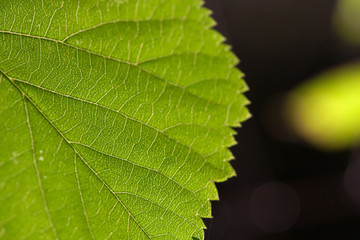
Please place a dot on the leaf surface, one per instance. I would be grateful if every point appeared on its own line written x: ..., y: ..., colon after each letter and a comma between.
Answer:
x: 115, y: 118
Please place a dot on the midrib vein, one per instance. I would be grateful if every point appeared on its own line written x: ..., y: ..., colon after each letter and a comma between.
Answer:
x: 126, y: 116
x: 81, y: 197
x: 37, y: 169
x: 183, y: 19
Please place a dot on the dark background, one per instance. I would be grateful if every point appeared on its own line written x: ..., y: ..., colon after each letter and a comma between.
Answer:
x: 285, y: 188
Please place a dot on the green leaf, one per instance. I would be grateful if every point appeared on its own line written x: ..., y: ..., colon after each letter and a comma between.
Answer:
x: 115, y: 118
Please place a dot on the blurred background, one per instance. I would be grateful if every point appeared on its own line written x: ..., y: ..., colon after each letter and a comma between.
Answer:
x: 298, y: 157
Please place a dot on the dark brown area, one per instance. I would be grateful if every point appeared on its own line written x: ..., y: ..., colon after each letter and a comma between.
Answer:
x: 281, y: 43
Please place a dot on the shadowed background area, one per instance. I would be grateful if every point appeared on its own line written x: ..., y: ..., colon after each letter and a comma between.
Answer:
x: 285, y: 188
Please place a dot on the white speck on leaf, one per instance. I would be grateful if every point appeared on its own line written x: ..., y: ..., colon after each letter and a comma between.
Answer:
x: 14, y: 157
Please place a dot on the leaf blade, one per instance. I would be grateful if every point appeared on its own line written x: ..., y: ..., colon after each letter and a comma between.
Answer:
x: 135, y: 124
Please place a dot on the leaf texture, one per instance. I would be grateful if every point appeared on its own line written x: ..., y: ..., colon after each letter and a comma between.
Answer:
x: 115, y: 118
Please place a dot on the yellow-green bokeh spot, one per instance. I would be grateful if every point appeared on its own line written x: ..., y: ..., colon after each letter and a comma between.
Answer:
x: 347, y: 19
x: 326, y: 109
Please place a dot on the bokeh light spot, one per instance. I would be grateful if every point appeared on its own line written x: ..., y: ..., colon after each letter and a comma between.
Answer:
x: 274, y: 207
